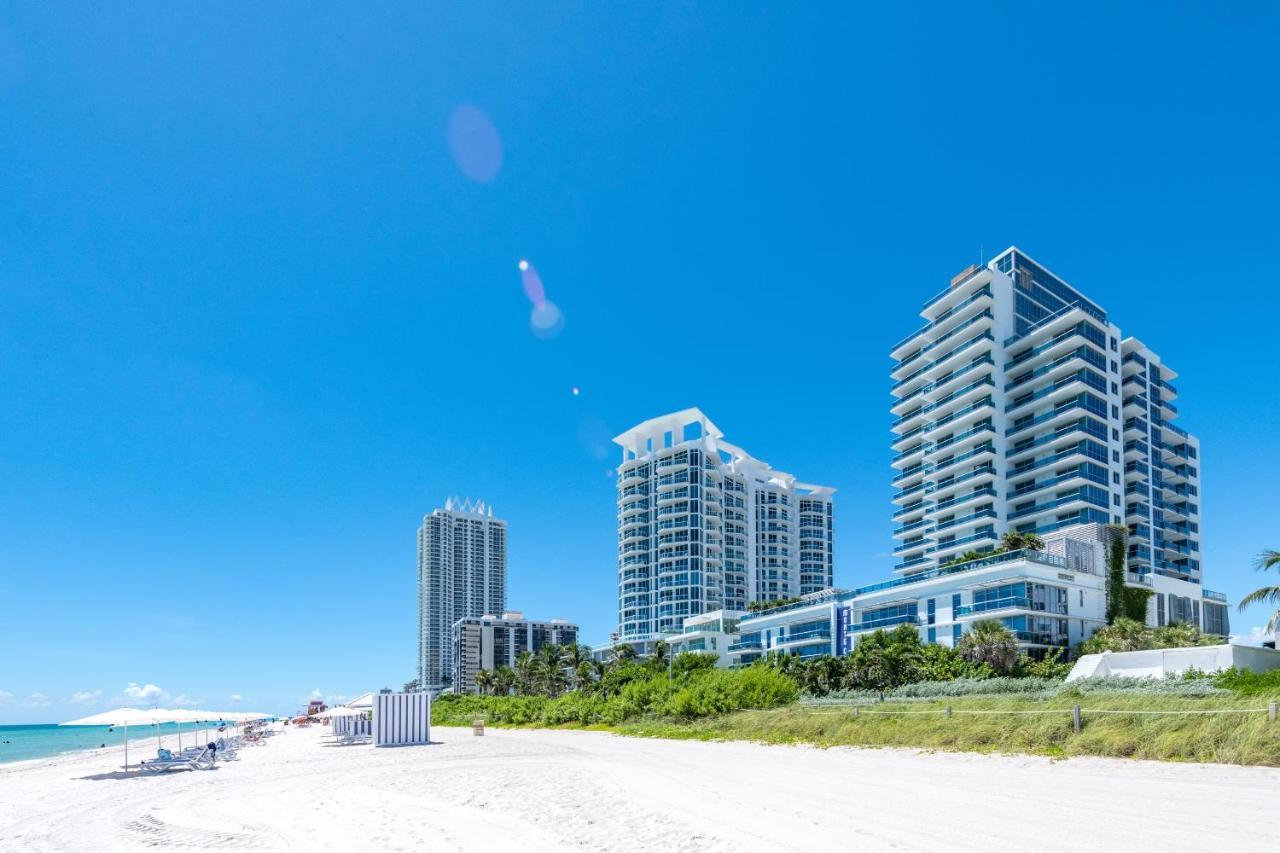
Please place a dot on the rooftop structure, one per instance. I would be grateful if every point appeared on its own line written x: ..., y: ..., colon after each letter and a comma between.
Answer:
x: 704, y: 526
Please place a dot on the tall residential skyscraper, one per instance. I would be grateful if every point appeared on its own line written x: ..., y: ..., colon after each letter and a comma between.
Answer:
x: 462, y: 572
x: 1020, y: 406
x: 703, y: 526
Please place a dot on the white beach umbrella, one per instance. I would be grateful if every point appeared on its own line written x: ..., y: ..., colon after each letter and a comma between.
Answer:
x: 126, y: 717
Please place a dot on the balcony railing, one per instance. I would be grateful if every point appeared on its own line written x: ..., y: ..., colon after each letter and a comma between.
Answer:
x: 885, y: 622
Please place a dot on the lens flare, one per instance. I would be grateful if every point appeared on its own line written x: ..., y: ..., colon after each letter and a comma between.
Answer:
x: 532, y: 283
x: 576, y: 390
x: 474, y: 144
x: 546, y: 320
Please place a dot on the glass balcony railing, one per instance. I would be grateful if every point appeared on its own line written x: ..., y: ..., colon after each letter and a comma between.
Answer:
x: 1064, y: 310
x: 885, y: 622
x: 968, y: 566
x: 984, y: 315
x: 823, y: 633
x: 983, y: 293
x: 967, y: 519
x: 981, y: 536
x: 1021, y: 602
x: 985, y: 491
x: 977, y: 430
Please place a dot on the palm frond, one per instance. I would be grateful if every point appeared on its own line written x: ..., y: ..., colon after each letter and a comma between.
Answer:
x: 1265, y: 595
x: 1267, y: 560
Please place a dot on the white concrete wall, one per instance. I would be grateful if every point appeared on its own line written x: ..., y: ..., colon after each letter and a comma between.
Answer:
x: 1157, y: 663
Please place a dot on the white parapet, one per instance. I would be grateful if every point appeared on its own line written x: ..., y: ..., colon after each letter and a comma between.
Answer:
x: 1157, y: 663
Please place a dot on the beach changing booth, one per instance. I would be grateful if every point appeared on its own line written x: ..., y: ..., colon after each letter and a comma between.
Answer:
x: 401, y: 718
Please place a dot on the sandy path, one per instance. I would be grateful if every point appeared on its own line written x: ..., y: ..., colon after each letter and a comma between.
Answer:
x: 531, y: 790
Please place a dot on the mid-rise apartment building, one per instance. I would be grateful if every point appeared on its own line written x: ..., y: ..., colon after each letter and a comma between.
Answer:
x: 488, y: 642
x: 462, y: 572
x: 704, y: 526
x: 1051, y: 598
x: 1019, y: 405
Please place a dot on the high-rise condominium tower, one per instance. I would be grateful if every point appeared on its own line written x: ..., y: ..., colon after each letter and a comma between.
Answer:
x: 1020, y: 406
x: 462, y: 572
x: 704, y: 526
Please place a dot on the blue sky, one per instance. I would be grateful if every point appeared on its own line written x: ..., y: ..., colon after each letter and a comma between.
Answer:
x: 258, y: 316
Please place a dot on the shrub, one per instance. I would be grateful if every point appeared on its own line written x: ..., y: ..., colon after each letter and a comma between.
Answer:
x: 1171, y: 685
x: 1128, y: 635
x: 1050, y: 666
x: 986, y: 686
x: 698, y: 690
x: 1247, y: 683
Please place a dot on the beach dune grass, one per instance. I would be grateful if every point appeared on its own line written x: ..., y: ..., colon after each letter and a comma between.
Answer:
x: 1131, y: 730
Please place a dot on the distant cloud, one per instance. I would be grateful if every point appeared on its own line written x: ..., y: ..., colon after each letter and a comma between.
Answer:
x: 147, y: 694
x: 236, y: 697
x: 1252, y: 637
x: 5, y: 696
x: 37, y: 700
x: 85, y: 697
x: 330, y: 699
x: 144, y: 693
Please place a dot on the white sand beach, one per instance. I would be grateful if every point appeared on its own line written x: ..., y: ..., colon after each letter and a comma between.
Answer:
x: 548, y: 790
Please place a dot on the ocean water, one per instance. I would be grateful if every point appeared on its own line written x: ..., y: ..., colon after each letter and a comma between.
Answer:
x: 20, y: 743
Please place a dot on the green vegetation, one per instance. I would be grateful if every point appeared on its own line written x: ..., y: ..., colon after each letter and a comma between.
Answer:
x: 1135, y: 603
x: 1011, y: 541
x: 629, y: 690
x: 989, y: 643
x: 895, y: 691
x: 1231, y: 738
x: 757, y: 606
x: 1245, y: 683
x: 1117, y: 565
x: 1131, y: 635
x: 1268, y: 594
x: 887, y: 659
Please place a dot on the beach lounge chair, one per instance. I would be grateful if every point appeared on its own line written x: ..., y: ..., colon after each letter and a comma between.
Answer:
x: 166, y: 760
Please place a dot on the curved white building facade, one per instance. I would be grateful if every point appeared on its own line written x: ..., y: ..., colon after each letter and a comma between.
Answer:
x: 703, y: 526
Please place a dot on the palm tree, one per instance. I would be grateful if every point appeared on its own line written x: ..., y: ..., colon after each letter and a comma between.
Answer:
x: 661, y: 654
x: 624, y: 652
x: 583, y: 674
x: 884, y: 658
x: 990, y: 642
x: 526, y: 674
x: 574, y: 656
x: 1180, y: 635
x: 1267, y: 594
x: 484, y: 681
x: 551, y: 674
x: 504, y: 678
x: 1123, y: 635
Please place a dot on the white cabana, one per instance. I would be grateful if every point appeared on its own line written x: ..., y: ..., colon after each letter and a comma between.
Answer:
x: 344, y: 711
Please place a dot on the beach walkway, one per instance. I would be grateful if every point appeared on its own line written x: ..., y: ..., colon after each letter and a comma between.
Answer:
x: 551, y: 790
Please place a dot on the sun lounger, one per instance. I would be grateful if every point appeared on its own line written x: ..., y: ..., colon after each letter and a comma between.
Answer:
x: 166, y: 760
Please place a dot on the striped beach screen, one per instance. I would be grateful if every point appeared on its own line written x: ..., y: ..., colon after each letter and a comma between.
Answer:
x: 401, y: 718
